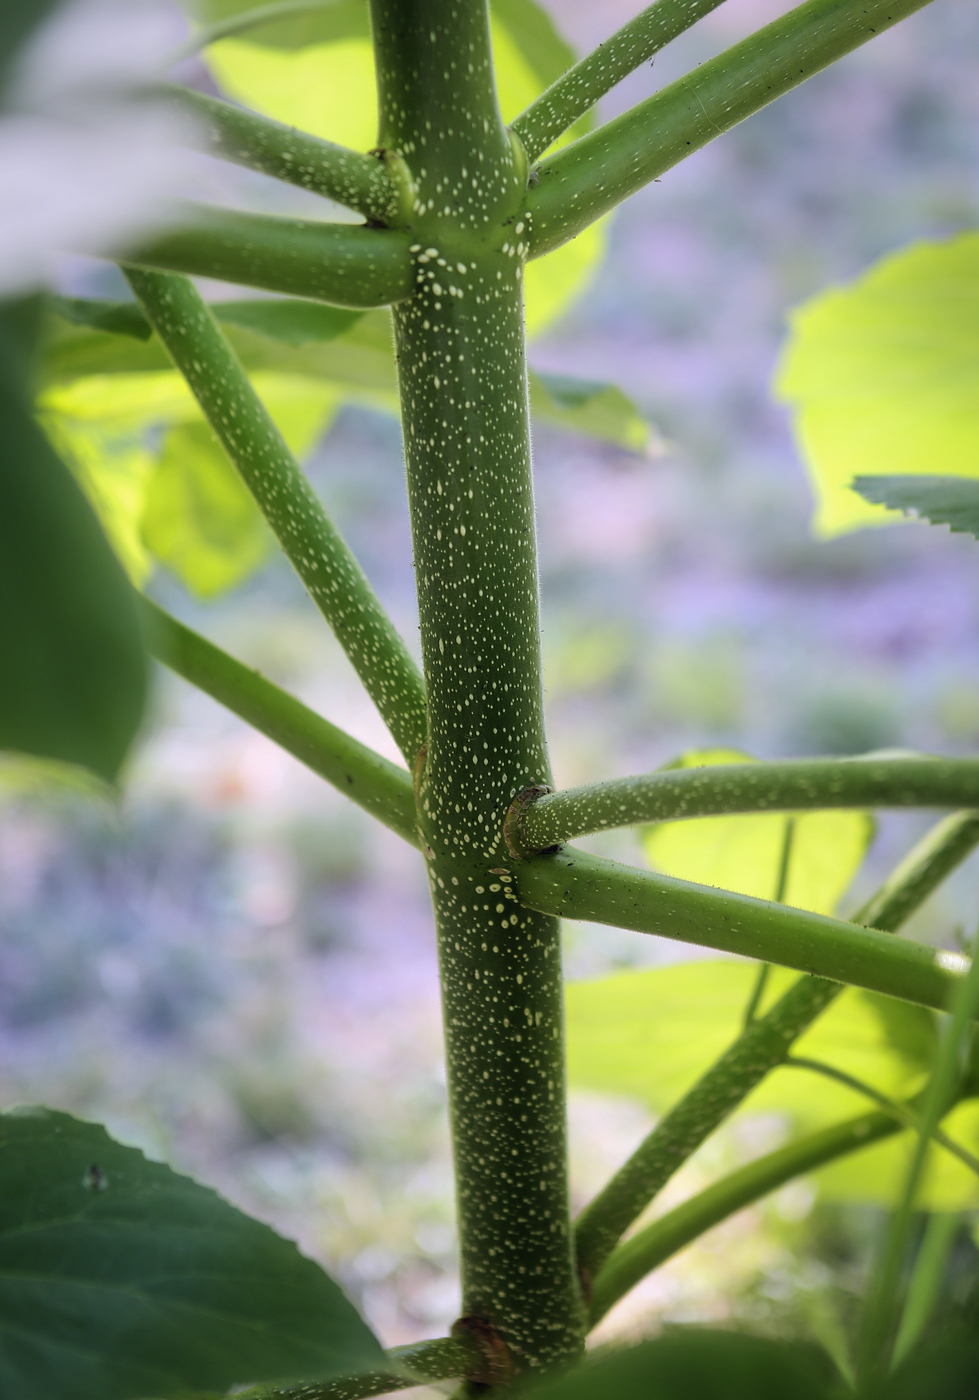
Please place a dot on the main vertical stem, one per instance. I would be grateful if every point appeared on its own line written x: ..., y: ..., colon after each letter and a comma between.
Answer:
x: 464, y: 409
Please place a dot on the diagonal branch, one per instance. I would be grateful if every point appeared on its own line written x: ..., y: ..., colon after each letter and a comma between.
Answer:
x: 797, y: 785
x: 576, y: 885
x: 380, y: 787
x: 760, y: 1048
x: 659, y: 1241
x: 361, y: 182
x: 594, y: 174
x: 316, y: 549
x: 570, y: 97
x: 345, y: 264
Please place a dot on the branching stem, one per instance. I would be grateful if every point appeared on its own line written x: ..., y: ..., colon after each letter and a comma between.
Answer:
x: 794, y: 785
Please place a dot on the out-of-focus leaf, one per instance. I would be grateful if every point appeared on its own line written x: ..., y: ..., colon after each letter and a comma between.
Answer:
x: 553, y: 283
x: 744, y: 853
x: 199, y: 517
x: 649, y: 1035
x: 324, y: 24
x: 944, y: 1369
x: 941, y: 500
x: 118, y: 317
x: 698, y: 1364
x: 881, y: 377
x: 592, y: 409
x: 120, y: 1279
x: 74, y: 668
x: 17, y: 19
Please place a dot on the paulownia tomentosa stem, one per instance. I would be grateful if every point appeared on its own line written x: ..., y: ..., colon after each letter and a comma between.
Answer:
x: 759, y: 1049
x: 463, y: 387
x: 319, y: 554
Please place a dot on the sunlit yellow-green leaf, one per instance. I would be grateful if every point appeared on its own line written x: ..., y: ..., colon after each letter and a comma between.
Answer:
x: 650, y: 1035
x: 198, y: 516
x: 744, y: 853
x: 882, y: 376
x: 877, y: 1175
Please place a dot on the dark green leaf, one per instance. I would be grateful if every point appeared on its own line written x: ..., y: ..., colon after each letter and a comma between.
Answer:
x: 947, y: 1369
x: 118, y: 317
x: 288, y: 321
x: 121, y: 1280
x: 942, y: 500
x: 17, y: 19
x: 74, y: 668
x: 199, y: 518
x: 698, y: 1364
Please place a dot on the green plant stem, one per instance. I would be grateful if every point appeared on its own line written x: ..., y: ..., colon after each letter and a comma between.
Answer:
x: 796, y: 785
x: 875, y: 1350
x: 576, y: 91
x: 764, y: 972
x: 576, y: 885
x: 665, y: 1237
x: 443, y: 1358
x: 903, y: 1114
x: 312, y: 542
x: 585, y: 180
x: 463, y: 388
x: 925, y: 1287
x: 344, y: 264
x: 380, y: 787
x: 361, y: 182
x: 759, y: 1049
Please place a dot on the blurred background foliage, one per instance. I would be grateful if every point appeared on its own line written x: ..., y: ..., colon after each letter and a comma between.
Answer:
x: 233, y: 969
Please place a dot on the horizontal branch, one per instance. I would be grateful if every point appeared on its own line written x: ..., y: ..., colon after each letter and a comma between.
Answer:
x: 576, y: 885
x: 665, y: 1237
x: 579, y: 184
x: 576, y: 91
x: 314, y: 546
x: 380, y: 787
x: 798, y: 785
x: 761, y: 1047
x: 442, y: 1359
x: 344, y: 264
x: 361, y: 182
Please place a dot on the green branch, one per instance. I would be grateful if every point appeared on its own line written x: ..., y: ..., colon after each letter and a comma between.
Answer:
x: 798, y: 785
x: 594, y: 174
x: 380, y: 787
x: 360, y: 182
x: 345, y: 264
x: 576, y: 91
x: 312, y: 542
x: 443, y: 1358
x: 659, y: 1241
x: 576, y: 885
x: 761, y: 1046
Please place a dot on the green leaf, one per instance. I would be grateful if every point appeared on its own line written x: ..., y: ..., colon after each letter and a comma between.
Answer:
x: 944, y: 1369
x: 744, y: 853
x: 881, y: 377
x: 17, y: 19
x: 649, y: 1035
x: 323, y: 24
x: 117, y: 317
x: 75, y: 671
x: 942, y: 500
x: 199, y: 517
x: 695, y: 1362
x: 592, y: 409
x: 120, y: 1279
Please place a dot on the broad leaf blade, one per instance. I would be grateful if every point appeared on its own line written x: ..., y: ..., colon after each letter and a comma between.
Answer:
x: 941, y: 500
x: 199, y: 517
x: 698, y: 1364
x: 881, y: 376
x: 121, y: 1280
x: 74, y: 668
x: 744, y: 853
x: 591, y: 409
